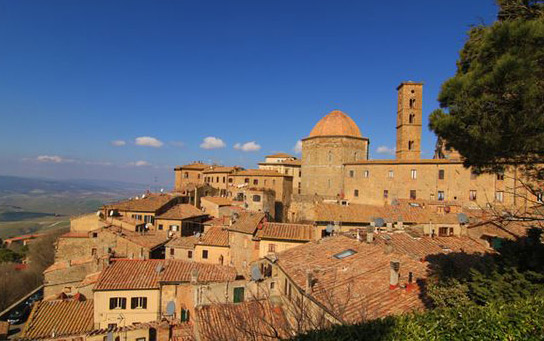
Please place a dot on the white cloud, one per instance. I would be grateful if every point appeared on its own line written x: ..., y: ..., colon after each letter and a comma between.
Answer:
x: 178, y: 144
x: 251, y: 146
x: 385, y: 150
x: 298, y: 147
x: 140, y: 163
x: 148, y: 141
x: 212, y: 142
x: 52, y: 159
x: 118, y: 143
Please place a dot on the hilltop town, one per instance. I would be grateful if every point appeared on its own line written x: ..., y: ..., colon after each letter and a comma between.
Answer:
x: 294, y: 245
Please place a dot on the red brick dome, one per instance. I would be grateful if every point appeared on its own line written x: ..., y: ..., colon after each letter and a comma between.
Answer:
x: 336, y: 123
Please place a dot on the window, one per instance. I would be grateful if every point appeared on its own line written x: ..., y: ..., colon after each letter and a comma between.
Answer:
x: 264, y: 182
x: 356, y: 193
x: 93, y: 251
x: 238, y: 294
x: 345, y: 254
x: 185, y: 315
x: 246, y: 180
x: 412, y: 103
x: 443, y: 231
x: 189, y: 254
x: 413, y: 174
x: 473, y: 175
x: 174, y: 228
x: 217, y: 179
x: 390, y: 174
x: 230, y: 180
x: 198, y: 176
x: 413, y: 195
x: 411, y: 118
x: 95, y: 234
x: 160, y: 227
x: 440, y: 174
x: 204, y: 254
x: 112, y: 326
x: 351, y: 173
x: 299, y: 173
x: 255, y: 181
x: 272, y: 285
x: 385, y: 194
x: 118, y: 303
x: 271, y: 247
x: 366, y: 174
x: 172, y: 251
x: 500, y: 176
x: 440, y: 196
x: 256, y: 198
x: 140, y: 339
x: 472, y: 195
x: 185, y: 175
x: 410, y: 145
x: 499, y: 196
x: 138, y: 303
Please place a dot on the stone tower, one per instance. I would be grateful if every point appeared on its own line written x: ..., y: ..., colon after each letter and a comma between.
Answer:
x: 409, y: 118
x: 335, y: 140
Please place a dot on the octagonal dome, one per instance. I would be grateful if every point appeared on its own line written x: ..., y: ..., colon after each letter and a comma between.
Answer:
x: 336, y: 123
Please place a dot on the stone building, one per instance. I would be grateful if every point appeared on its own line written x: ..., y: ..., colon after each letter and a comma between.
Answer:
x: 285, y: 164
x: 335, y: 165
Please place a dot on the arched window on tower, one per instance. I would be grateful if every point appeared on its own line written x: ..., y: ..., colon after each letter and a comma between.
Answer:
x: 410, y: 145
x: 412, y: 103
x: 411, y: 118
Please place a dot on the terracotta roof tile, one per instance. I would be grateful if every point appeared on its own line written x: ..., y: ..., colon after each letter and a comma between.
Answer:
x: 61, y: 317
x: 183, y: 242
x: 249, y: 320
x: 279, y: 155
x: 221, y: 201
x: 247, y: 222
x: 149, y: 240
x: 183, y: 332
x: 285, y: 231
x: 221, y: 169
x: 195, y: 166
x: 361, y: 281
x: 150, y: 203
x: 215, y: 236
x: 146, y: 274
x: 336, y: 123
x: 259, y: 172
x: 74, y: 234
x: 181, y: 212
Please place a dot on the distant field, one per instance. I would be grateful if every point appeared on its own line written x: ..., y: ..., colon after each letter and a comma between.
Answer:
x: 33, y: 205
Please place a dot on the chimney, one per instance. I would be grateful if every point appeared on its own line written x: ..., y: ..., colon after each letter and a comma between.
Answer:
x: 309, y: 281
x: 194, y: 276
x: 370, y: 235
x: 359, y: 239
x: 394, y: 276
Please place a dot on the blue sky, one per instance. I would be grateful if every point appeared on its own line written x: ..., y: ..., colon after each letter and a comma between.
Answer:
x: 77, y: 75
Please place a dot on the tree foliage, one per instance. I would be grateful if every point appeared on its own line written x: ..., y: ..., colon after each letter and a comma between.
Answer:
x: 493, y: 108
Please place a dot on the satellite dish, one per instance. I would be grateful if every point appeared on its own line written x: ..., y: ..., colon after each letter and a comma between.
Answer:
x: 148, y: 225
x: 162, y: 190
x: 143, y: 196
x: 379, y: 222
x: 136, y: 198
x: 256, y: 273
x: 171, y: 308
x: 329, y: 228
x: 111, y: 213
x: 98, y: 213
x: 463, y: 219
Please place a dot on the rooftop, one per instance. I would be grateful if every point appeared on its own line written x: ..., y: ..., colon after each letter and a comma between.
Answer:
x: 221, y: 169
x: 150, y: 203
x: 195, y: 166
x: 259, y: 172
x: 148, y: 240
x: 251, y: 320
x: 351, y: 278
x: 59, y: 318
x: 220, y: 201
x: 124, y: 274
x: 286, y: 231
x: 183, y: 242
x: 280, y: 155
x: 181, y: 212
x: 215, y: 236
x: 247, y: 222
x: 336, y: 123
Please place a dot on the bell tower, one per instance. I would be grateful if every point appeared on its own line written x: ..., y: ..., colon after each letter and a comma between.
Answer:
x: 409, y: 119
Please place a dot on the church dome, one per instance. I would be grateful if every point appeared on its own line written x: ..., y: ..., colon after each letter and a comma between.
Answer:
x: 336, y: 123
